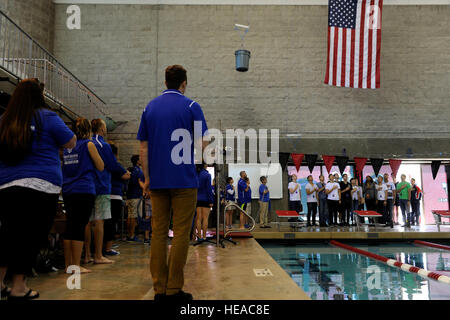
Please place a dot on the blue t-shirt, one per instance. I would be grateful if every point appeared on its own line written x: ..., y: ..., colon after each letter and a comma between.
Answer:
x: 228, y: 196
x: 78, y: 170
x: 322, y: 194
x: 134, y: 188
x: 248, y: 195
x: 117, y: 183
x: 205, y: 192
x: 103, y: 179
x: 167, y: 125
x: 242, y: 185
x: 43, y: 161
x: 264, y: 197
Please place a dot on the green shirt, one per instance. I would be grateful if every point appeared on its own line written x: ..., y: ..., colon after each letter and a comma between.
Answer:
x: 404, y: 193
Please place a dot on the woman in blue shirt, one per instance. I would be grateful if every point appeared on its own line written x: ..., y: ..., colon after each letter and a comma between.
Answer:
x: 78, y: 169
x: 30, y: 181
x: 205, y: 201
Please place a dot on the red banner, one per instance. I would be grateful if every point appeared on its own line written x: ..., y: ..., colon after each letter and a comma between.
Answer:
x: 328, y: 160
x: 395, y: 164
x: 298, y: 159
x: 360, y: 163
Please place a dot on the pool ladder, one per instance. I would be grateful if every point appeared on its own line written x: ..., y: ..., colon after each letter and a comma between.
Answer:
x: 231, y: 231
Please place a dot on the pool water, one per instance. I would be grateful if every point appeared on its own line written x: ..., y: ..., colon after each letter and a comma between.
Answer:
x: 325, y: 272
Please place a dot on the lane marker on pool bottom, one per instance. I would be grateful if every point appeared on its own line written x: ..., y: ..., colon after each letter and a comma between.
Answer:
x: 431, y: 244
x: 394, y: 263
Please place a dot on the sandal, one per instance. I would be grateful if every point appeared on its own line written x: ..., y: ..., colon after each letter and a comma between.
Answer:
x: 25, y: 297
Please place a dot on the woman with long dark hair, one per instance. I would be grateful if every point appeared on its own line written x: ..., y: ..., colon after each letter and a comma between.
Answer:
x: 30, y: 181
x: 79, y: 166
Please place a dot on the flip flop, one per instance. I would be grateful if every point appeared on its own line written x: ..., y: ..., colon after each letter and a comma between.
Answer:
x: 25, y: 297
x: 5, y: 292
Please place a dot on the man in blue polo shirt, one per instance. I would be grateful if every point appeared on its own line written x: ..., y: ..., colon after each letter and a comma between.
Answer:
x: 169, y: 125
x: 242, y: 189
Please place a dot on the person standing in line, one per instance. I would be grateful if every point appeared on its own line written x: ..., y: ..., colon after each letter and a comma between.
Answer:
x: 416, y: 196
x: 248, y: 200
x: 390, y: 200
x: 30, y: 182
x: 396, y: 201
x: 78, y: 191
x: 264, y: 198
x: 171, y: 179
x: 323, y: 206
x: 333, y: 191
x: 111, y: 225
x: 242, y: 188
x: 295, y: 195
x: 346, y: 200
x: 404, y: 191
x: 370, y: 196
x: 357, y: 198
x: 230, y: 197
x: 205, y: 201
x: 382, y: 194
x: 311, y: 199
x: 102, y: 208
x: 134, y: 197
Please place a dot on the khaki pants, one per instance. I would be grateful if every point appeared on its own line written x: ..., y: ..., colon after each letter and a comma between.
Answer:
x: 167, y: 275
x: 263, y: 212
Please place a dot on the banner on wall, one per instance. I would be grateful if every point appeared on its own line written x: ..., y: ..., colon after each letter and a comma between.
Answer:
x: 435, y: 165
x: 298, y: 159
x: 395, y: 165
x: 359, y: 164
x: 311, y: 160
x: 342, y: 163
x: 328, y: 160
x: 376, y: 165
x: 284, y: 157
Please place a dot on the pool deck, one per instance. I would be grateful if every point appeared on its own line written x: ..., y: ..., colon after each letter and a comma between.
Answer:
x: 336, y: 233
x: 211, y: 273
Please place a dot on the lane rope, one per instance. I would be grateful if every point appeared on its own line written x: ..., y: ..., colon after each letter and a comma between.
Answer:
x: 394, y: 263
x: 432, y: 245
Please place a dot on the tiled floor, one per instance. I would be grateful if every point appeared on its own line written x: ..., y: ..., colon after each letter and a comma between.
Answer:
x: 211, y: 273
x: 127, y: 279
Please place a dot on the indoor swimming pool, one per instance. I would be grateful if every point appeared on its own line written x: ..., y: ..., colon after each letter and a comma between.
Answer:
x: 326, y: 272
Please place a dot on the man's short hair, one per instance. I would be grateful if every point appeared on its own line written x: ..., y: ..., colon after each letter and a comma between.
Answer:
x: 135, y: 159
x: 175, y: 76
x: 240, y: 173
x: 262, y: 179
x: 229, y: 180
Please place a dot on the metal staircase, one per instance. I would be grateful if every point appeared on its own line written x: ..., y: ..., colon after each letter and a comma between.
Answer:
x: 21, y: 57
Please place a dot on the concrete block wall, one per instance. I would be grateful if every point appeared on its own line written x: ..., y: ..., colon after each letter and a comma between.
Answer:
x: 121, y: 52
x: 36, y: 17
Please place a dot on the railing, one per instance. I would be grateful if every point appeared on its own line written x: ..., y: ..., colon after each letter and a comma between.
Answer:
x: 230, y: 231
x: 23, y: 58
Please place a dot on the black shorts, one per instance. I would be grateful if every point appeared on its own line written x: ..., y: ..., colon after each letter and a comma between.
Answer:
x: 203, y: 204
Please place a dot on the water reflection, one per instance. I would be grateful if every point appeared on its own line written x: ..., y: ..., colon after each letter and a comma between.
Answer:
x: 328, y: 273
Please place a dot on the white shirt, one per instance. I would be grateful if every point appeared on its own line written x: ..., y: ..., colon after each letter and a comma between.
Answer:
x: 334, y: 195
x: 390, y: 186
x: 358, y: 193
x: 311, y: 197
x: 381, y: 195
x: 296, y: 195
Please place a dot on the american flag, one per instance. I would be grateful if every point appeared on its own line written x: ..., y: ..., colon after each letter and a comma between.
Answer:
x: 354, y: 43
